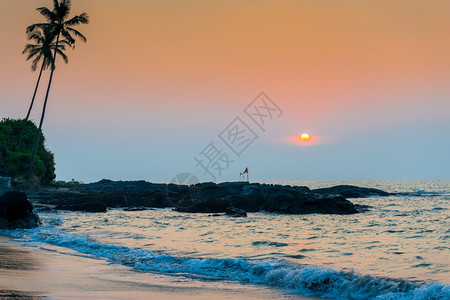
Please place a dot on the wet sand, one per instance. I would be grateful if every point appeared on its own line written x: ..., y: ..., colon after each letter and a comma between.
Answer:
x: 48, y: 272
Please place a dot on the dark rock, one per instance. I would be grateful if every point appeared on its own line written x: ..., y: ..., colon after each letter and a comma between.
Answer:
x: 215, y: 205
x: 350, y: 191
x: 362, y: 208
x: 319, y: 204
x: 85, y: 207
x: 249, y: 198
x: 235, y: 212
x: 16, y: 211
x: 138, y: 208
x: 290, y: 200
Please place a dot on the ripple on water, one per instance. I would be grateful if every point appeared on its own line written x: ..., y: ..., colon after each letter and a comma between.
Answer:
x: 422, y: 265
x: 268, y: 244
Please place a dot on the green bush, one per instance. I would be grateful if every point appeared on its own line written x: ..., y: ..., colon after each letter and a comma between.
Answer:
x: 19, y: 163
x: 67, y: 184
x: 14, y: 160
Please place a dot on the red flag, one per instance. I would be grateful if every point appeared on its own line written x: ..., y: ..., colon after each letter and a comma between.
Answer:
x: 245, y: 171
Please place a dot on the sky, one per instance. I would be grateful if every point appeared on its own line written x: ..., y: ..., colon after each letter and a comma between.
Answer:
x: 212, y: 87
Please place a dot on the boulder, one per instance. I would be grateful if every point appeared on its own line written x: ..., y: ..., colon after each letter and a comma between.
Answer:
x: 16, y: 211
x: 235, y: 212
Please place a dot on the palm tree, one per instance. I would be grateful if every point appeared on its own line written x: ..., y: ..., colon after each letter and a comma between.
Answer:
x: 58, y: 20
x: 41, y: 50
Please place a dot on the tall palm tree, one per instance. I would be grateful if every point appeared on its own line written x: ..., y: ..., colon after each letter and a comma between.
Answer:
x: 58, y: 20
x: 41, y: 50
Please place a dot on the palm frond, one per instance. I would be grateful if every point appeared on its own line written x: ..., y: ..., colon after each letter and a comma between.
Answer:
x: 48, y: 14
x: 64, y: 43
x: 76, y: 33
x: 35, y: 62
x: 32, y: 52
x: 67, y: 35
x: 35, y: 36
x: 63, y: 10
x: 48, y: 62
x: 77, y: 20
x: 34, y: 27
x: 67, y: 3
x: 63, y: 55
x: 28, y: 48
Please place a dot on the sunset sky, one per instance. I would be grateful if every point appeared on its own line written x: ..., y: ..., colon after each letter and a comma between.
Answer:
x: 158, y: 81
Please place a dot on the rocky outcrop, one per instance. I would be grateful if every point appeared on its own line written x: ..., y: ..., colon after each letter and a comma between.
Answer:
x: 216, y: 198
x: 205, y: 197
x: 350, y: 191
x: 293, y: 201
x: 16, y: 211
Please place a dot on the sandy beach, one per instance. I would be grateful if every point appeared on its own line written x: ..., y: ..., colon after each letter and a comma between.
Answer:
x: 43, y: 273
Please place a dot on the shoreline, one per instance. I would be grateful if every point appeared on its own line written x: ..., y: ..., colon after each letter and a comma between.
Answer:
x: 51, y: 272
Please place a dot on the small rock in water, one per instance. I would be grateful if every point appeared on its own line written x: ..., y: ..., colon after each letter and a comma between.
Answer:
x: 235, y: 212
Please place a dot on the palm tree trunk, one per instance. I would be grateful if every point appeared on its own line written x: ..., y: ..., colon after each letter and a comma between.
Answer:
x: 30, y: 171
x: 29, y: 109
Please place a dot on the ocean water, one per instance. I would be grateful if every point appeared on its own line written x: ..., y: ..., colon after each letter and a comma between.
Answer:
x: 399, y: 249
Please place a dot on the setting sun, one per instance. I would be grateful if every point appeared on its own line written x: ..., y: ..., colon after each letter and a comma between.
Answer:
x: 304, y: 137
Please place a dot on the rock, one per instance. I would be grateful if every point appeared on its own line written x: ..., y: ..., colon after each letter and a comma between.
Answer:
x: 318, y: 204
x: 350, y: 191
x: 136, y: 208
x: 291, y: 200
x: 362, y: 208
x: 85, y: 207
x: 215, y: 205
x: 235, y: 212
x: 16, y: 211
x: 249, y: 198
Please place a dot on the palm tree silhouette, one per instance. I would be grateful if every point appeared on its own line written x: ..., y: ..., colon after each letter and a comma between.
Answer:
x: 41, y: 50
x: 58, y: 20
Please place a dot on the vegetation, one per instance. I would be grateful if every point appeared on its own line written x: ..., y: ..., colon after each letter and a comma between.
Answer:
x: 58, y: 24
x: 14, y: 160
x: 66, y: 184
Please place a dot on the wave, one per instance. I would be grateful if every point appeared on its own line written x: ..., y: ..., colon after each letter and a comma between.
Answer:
x: 308, y: 280
x: 420, y: 193
x: 268, y: 244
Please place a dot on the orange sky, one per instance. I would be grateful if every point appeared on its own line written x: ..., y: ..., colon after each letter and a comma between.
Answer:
x: 182, y: 70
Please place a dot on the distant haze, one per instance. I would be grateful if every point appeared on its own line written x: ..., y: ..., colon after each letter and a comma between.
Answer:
x: 158, y: 81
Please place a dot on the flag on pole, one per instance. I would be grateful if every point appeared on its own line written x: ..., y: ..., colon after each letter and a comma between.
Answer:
x: 245, y: 171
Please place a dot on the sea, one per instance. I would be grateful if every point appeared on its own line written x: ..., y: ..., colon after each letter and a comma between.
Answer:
x: 398, y: 249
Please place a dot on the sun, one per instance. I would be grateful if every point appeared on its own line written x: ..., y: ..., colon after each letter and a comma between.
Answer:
x: 304, y: 137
